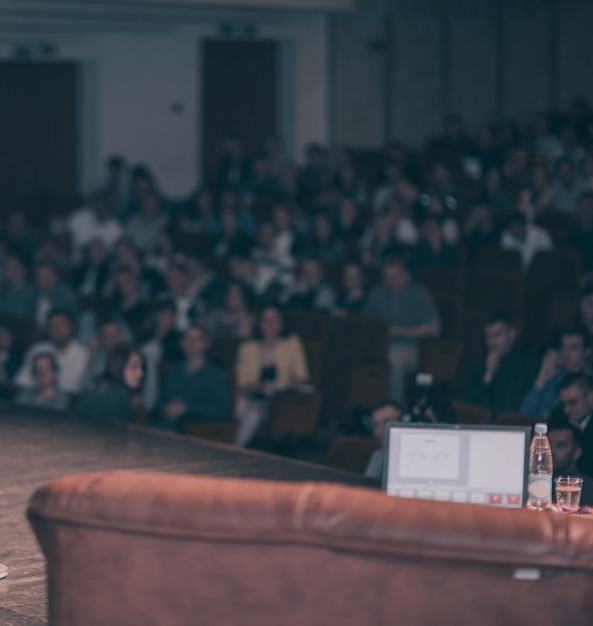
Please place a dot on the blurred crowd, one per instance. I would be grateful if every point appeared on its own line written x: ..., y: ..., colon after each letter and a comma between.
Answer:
x: 114, y: 309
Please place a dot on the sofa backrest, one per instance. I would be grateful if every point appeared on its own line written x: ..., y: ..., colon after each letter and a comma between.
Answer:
x: 143, y: 548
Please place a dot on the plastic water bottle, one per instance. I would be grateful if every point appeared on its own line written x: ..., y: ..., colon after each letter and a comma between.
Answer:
x: 540, y: 470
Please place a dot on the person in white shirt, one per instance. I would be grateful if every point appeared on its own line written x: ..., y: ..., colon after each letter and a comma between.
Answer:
x: 145, y: 227
x: 187, y: 307
x: 71, y: 356
x: 527, y: 238
x: 95, y: 222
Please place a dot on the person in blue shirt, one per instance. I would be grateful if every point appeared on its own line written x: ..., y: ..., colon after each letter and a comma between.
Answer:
x: 569, y: 357
x: 194, y: 388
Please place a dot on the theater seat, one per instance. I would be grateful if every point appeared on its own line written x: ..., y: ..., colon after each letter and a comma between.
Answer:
x: 351, y: 453
x: 471, y: 414
x: 132, y: 547
x: 514, y: 418
x: 494, y: 258
x: 367, y: 386
x: 223, y: 432
x: 441, y: 358
x: 24, y: 328
x: 293, y: 414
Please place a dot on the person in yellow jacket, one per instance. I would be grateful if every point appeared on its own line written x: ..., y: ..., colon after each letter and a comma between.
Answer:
x: 274, y: 361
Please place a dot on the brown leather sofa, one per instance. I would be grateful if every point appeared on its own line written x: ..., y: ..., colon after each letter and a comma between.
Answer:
x: 144, y: 549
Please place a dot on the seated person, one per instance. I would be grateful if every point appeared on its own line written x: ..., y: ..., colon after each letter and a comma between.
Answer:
x: 51, y: 293
x: 114, y: 395
x: 232, y: 240
x: 163, y: 345
x: 45, y: 393
x: 194, y: 388
x: 412, y: 315
x: 311, y: 292
x: 556, y: 365
x: 323, y: 245
x: 273, y: 362
x: 566, y: 442
x: 127, y: 301
x: 203, y: 285
x: 273, y: 270
x: 90, y: 275
x: 17, y: 295
x: 233, y: 318
x: 187, y: 306
x: 479, y: 230
x: 349, y: 224
x: 11, y: 358
x: 581, y: 233
x: 353, y: 298
x: 576, y: 396
x: 382, y: 414
x: 71, y: 356
x: 528, y: 239
x: 431, y: 250
x: 508, y: 373
x: 112, y: 331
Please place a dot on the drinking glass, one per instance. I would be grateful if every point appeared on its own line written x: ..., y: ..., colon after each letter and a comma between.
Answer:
x: 568, y: 493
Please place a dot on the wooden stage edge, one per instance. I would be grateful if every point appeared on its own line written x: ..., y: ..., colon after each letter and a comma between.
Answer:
x: 37, y: 446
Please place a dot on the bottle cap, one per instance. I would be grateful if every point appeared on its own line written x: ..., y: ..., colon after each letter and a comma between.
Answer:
x: 541, y: 429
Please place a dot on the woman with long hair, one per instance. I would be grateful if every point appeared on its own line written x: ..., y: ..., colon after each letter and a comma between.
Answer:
x: 115, y: 394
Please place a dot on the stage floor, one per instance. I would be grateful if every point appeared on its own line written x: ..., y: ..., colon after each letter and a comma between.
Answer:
x: 35, y: 448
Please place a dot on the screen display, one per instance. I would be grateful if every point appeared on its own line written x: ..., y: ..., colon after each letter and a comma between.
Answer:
x: 481, y: 465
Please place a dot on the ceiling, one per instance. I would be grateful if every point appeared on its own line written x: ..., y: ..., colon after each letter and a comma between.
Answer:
x: 26, y: 17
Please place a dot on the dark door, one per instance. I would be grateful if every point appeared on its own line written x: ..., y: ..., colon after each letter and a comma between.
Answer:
x: 240, y: 96
x: 38, y: 130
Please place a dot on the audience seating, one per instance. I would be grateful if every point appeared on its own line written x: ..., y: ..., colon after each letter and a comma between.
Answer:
x: 550, y: 272
x: 494, y: 290
x: 333, y: 275
x: 155, y: 548
x: 355, y: 340
x: 443, y: 280
x: 514, y: 418
x: 315, y: 352
x: 367, y: 386
x: 363, y: 339
x: 471, y: 414
x: 309, y: 325
x: 472, y: 339
x: 223, y: 432
x: 24, y: 328
x: 220, y: 266
x: 139, y: 412
x: 441, y: 358
x: 350, y: 453
x: 493, y: 258
x: 352, y: 246
x: 450, y: 308
x: 562, y: 310
x: 553, y: 270
x: 194, y: 243
x: 557, y: 224
x: 293, y: 414
x: 224, y: 350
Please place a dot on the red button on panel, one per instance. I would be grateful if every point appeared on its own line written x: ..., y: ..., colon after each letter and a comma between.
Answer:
x: 495, y: 498
x: 513, y: 499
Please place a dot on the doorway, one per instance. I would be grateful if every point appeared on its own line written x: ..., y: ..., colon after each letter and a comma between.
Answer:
x: 240, y: 96
x: 39, y: 131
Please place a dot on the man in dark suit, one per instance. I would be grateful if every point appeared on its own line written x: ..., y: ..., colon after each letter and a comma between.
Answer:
x: 566, y: 442
x: 576, y: 395
x: 508, y: 373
